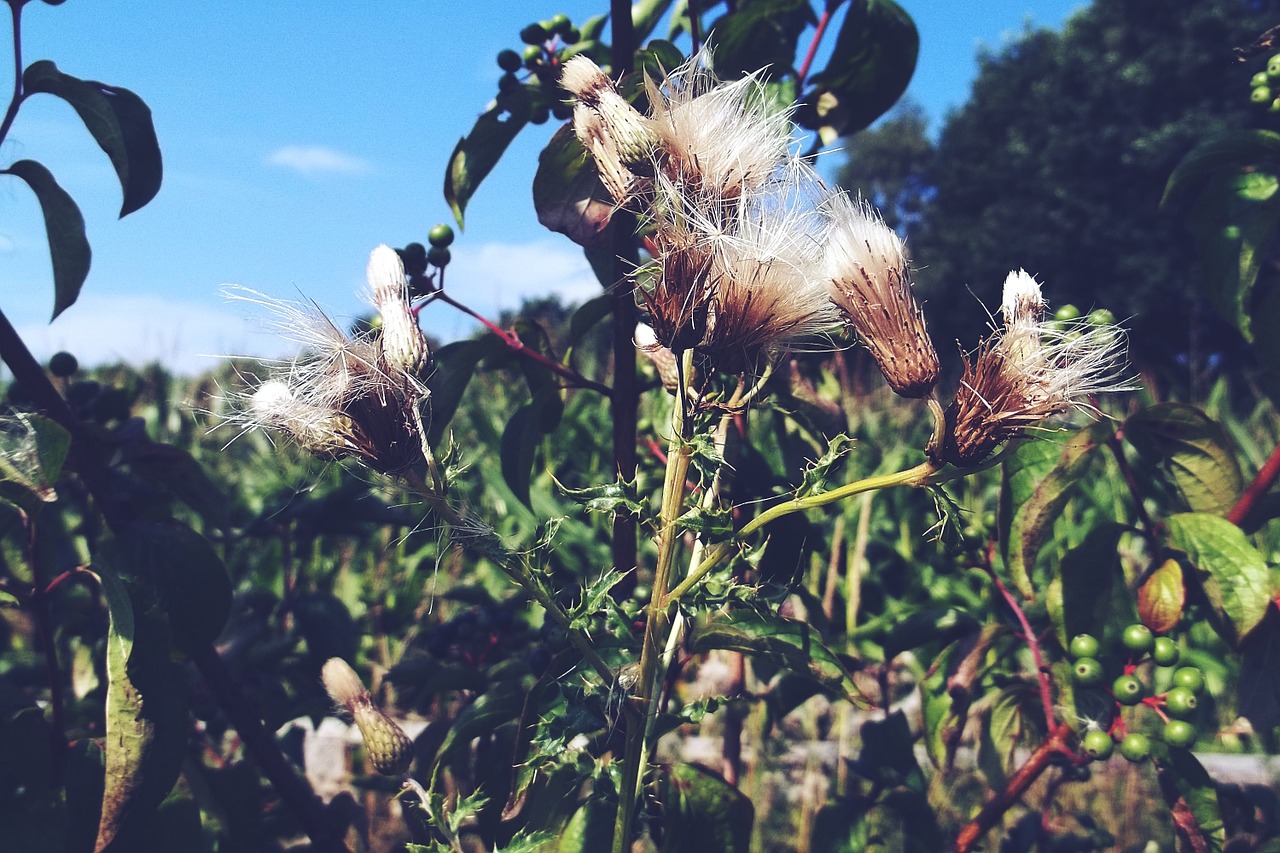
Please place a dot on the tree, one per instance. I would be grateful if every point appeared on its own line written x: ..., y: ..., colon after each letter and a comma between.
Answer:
x: 887, y: 165
x: 1057, y: 163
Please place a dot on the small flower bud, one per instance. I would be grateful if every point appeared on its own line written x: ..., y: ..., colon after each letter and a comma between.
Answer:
x: 403, y: 346
x: 388, y: 747
x: 616, y: 134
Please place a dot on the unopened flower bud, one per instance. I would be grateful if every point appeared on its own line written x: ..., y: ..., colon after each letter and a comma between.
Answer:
x: 617, y: 135
x: 403, y: 346
x: 389, y: 748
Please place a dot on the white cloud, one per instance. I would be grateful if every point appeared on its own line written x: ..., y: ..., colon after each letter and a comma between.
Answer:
x: 186, y: 337
x: 317, y: 159
x: 494, y: 277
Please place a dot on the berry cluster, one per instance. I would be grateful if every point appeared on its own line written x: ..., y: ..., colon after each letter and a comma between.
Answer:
x: 1265, y: 86
x: 1068, y: 317
x: 1174, y: 707
x: 417, y: 257
x: 548, y: 45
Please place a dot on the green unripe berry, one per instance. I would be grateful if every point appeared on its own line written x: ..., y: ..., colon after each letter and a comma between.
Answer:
x: 1135, y: 747
x: 439, y: 256
x: 1097, y: 744
x: 1101, y: 317
x: 1067, y: 312
x: 540, y: 115
x: 1260, y: 94
x: 509, y: 83
x: 1084, y: 646
x: 1189, y: 677
x: 570, y: 35
x: 1087, y: 672
x: 562, y: 111
x: 440, y: 236
x: 1180, y: 702
x: 558, y: 23
x: 533, y: 34
x: 1165, y: 651
x: 1179, y: 733
x: 509, y: 60
x: 414, y: 258
x: 63, y: 364
x: 1273, y: 67
x: 1275, y: 106
x: 1259, y: 79
x: 532, y: 55
x: 1128, y: 690
x: 1136, y: 638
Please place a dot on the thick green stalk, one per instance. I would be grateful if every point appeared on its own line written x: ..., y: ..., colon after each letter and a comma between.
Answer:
x: 658, y: 626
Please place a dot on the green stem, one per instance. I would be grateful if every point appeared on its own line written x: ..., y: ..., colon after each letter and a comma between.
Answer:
x: 659, y: 622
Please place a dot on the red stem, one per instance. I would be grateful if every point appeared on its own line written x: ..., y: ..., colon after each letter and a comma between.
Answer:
x: 1019, y: 783
x: 1261, y: 484
x: 813, y: 44
x: 1033, y: 643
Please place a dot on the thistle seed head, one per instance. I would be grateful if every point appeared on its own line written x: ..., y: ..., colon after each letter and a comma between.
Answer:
x: 870, y: 284
x: 616, y: 133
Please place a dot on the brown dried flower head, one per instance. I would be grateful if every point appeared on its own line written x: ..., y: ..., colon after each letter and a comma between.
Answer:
x: 870, y: 284
x: 1026, y: 372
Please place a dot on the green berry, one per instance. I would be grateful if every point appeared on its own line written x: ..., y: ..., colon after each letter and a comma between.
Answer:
x: 1097, y: 744
x: 1179, y: 733
x: 509, y: 83
x: 1084, y: 646
x: 1135, y: 747
x: 540, y: 115
x: 562, y: 111
x: 1259, y: 79
x: 1067, y: 312
x: 1165, y: 651
x: 1087, y: 672
x: 1128, y: 690
x: 439, y: 256
x: 533, y: 34
x: 509, y: 60
x: 63, y: 364
x: 1275, y: 106
x: 532, y: 55
x: 1136, y: 638
x: 558, y: 23
x: 1101, y: 317
x: 1273, y: 66
x: 414, y: 258
x: 1189, y: 677
x: 1260, y: 95
x: 1180, y: 702
x: 570, y: 35
x: 440, y: 236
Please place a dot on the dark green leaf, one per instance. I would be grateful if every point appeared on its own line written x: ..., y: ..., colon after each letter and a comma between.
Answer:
x: 481, y: 718
x: 760, y: 34
x: 68, y: 246
x: 1183, y: 777
x: 1259, y: 689
x: 818, y: 473
x: 871, y: 64
x: 478, y: 152
x: 1229, y: 150
x: 590, y: 829
x: 1088, y: 594
x: 455, y: 364
x: 793, y: 645
x: 31, y: 466
x: 705, y: 813
x: 120, y: 123
x: 524, y: 432
x: 1194, y: 451
x: 613, y: 498
x: 176, y: 471
x: 1234, y: 575
x: 587, y: 316
x: 567, y: 193
x: 1038, y: 479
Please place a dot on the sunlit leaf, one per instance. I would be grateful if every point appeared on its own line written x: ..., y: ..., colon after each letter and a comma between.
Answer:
x: 1161, y: 597
x: 1234, y: 575
x: 567, y: 193
x: 1194, y: 452
x: 1228, y: 150
x: 478, y: 152
x: 759, y: 34
x: 705, y: 813
x: 64, y: 226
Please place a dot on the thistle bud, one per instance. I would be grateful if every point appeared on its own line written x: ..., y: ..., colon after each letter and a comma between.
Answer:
x: 619, y: 138
x: 403, y: 346
x: 389, y: 748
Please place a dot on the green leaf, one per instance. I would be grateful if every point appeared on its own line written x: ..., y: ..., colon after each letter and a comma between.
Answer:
x: 146, y: 722
x: 588, y: 315
x: 1038, y: 480
x: 524, y: 432
x: 68, y: 246
x: 871, y: 64
x: 705, y: 813
x: 1259, y: 689
x: 1266, y: 315
x: 1182, y: 776
x: 1088, y: 594
x: 36, y: 449
x: 759, y: 35
x: 455, y: 364
x: 1234, y: 575
x: 177, y: 472
x: 613, y: 498
x: 478, y: 152
x: 711, y: 525
x: 590, y: 829
x: 188, y: 575
x: 567, y: 193
x: 1193, y: 450
x: 502, y: 704
x: 120, y: 123
x: 645, y: 15
x: 819, y: 472
x: 792, y: 645
x: 1230, y: 150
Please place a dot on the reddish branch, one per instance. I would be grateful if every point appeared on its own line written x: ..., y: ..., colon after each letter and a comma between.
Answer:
x: 1055, y: 745
x: 1033, y: 643
x: 1261, y: 484
x: 813, y: 45
x: 95, y: 475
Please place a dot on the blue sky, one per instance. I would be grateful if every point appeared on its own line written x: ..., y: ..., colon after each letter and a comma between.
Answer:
x: 296, y: 137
